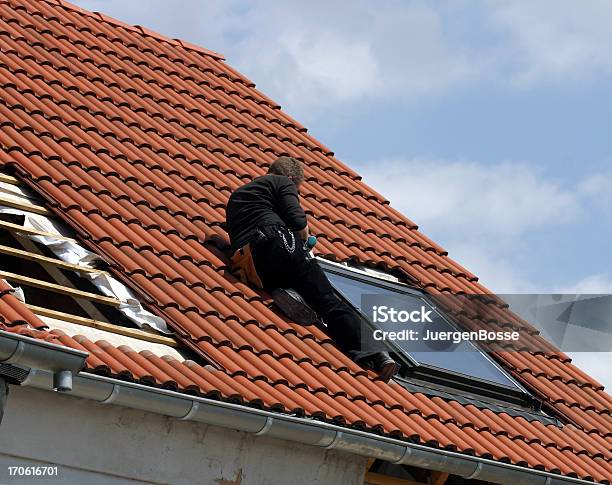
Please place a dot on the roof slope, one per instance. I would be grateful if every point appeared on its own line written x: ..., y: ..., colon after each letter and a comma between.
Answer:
x: 137, y: 141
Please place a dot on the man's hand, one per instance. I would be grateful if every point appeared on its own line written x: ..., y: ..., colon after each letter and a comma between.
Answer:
x: 303, y: 233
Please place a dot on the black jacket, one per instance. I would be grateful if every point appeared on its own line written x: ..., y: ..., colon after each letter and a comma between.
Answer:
x: 267, y: 200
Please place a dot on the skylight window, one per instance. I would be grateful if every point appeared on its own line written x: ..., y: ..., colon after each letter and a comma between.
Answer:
x: 460, y: 366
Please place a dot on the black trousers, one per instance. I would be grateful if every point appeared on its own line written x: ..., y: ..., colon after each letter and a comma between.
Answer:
x: 281, y: 262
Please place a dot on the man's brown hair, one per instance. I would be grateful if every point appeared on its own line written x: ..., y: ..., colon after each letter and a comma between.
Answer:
x: 289, y: 167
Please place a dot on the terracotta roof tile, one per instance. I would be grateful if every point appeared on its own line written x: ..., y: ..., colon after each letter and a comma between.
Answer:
x: 137, y: 140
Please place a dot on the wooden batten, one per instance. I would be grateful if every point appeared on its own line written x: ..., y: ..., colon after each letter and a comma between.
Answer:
x: 9, y: 179
x: 39, y: 258
x: 24, y: 206
x: 50, y: 263
x: 108, y: 327
x: 45, y: 285
x: 16, y: 228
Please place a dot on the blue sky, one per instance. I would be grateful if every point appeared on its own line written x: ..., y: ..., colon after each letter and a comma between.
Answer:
x: 487, y: 123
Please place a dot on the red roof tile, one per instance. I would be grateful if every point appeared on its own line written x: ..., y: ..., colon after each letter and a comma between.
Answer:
x: 137, y: 140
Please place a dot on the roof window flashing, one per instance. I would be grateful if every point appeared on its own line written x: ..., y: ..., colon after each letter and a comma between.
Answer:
x: 469, y: 371
x: 362, y: 270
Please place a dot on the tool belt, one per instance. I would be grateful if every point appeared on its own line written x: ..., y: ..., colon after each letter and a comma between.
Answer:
x: 242, y: 262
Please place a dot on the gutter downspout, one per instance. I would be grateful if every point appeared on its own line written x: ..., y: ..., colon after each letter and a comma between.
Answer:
x: 3, y: 396
x: 302, y: 430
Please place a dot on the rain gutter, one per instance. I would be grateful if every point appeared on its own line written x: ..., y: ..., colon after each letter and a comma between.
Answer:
x: 106, y: 390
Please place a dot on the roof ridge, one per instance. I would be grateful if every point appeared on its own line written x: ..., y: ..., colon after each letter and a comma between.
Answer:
x: 139, y: 29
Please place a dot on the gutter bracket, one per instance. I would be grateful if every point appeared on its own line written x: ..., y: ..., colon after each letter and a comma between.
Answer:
x: 476, y: 472
x: 406, y: 454
x: 16, y: 356
x: 335, y: 441
x: 266, y: 427
x: 195, y: 406
x: 112, y: 396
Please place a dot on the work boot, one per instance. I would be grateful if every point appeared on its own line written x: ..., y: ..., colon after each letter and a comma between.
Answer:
x: 382, y: 363
x: 293, y: 305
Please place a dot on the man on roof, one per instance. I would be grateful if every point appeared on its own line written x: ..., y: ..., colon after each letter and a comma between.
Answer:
x: 268, y: 230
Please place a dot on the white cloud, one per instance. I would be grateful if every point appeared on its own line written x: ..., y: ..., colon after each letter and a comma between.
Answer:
x: 593, y: 284
x: 308, y: 55
x: 486, y: 214
x: 478, y: 212
x: 555, y: 40
x: 492, y: 265
x: 306, y: 68
x: 312, y: 54
x: 330, y: 66
x: 492, y: 200
x: 598, y: 188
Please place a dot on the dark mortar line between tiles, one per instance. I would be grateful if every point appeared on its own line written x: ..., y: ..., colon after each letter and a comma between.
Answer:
x: 219, y: 189
x: 286, y: 121
x: 158, y: 151
x: 141, y: 31
x: 269, y: 134
x: 123, y: 179
x: 169, y: 135
x: 557, y: 377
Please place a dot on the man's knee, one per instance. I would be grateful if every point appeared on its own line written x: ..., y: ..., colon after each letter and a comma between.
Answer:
x: 331, y: 306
